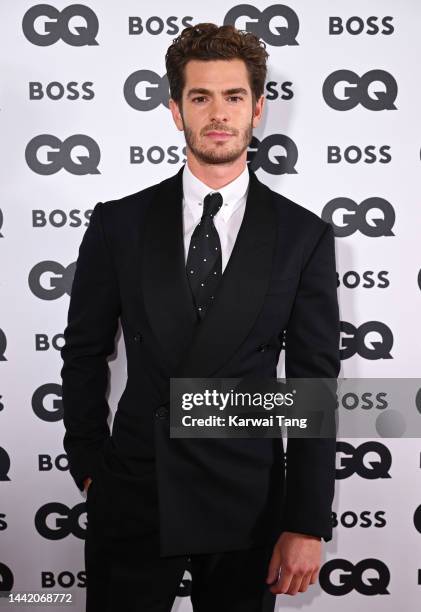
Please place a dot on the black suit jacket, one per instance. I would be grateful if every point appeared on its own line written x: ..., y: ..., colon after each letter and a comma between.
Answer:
x: 202, y: 495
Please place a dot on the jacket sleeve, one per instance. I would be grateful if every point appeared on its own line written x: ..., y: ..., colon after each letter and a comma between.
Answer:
x: 88, y: 339
x: 312, y: 351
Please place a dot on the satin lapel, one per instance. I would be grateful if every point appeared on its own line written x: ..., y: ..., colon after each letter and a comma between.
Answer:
x: 241, y: 291
x: 166, y: 292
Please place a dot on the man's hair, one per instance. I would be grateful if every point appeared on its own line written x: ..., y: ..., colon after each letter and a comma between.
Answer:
x: 207, y: 41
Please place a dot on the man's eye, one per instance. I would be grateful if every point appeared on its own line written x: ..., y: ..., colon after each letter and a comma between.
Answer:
x: 200, y: 98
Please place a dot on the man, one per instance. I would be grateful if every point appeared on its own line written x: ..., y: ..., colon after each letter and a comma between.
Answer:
x: 206, y: 271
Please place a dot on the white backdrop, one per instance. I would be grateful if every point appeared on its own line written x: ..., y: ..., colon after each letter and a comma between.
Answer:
x: 326, y: 136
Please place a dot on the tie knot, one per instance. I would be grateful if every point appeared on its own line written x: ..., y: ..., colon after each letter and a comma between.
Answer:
x: 211, y: 204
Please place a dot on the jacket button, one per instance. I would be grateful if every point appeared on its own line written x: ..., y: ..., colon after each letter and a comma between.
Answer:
x: 263, y: 347
x: 137, y: 337
x: 161, y: 412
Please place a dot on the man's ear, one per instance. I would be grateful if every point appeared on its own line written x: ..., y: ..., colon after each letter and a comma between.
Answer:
x: 258, y: 111
x: 176, y: 114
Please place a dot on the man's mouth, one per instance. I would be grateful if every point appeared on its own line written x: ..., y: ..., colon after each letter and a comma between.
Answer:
x: 218, y: 135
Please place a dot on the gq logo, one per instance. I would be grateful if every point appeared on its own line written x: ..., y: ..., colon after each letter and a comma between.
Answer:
x: 350, y: 577
x: 352, y: 460
x: 353, y: 340
x: 57, y: 25
x: 4, y: 465
x: 60, y: 279
x: 56, y: 521
x: 417, y: 519
x: 418, y: 404
x: 53, y: 414
x: 261, y: 154
x: 3, y: 345
x: 355, y: 90
x: 6, y: 578
x: 354, y: 217
x: 59, y: 156
x: 261, y: 24
x: 145, y: 90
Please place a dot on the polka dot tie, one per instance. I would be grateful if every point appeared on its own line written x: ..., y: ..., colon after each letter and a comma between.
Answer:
x: 204, y: 260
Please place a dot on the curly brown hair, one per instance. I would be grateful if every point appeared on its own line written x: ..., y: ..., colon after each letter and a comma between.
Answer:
x: 207, y: 41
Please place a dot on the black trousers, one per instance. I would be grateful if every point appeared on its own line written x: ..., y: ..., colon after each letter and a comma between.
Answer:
x: 128, y: 574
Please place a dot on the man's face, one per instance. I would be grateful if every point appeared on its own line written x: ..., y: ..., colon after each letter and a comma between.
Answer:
x: 216, y: 112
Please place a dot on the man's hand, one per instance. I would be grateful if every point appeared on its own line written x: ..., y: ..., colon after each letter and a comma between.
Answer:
x: 86, y: 484
x: 298, y: 557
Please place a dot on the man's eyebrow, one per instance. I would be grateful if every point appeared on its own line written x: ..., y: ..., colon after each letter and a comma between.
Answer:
x: 226, y: 92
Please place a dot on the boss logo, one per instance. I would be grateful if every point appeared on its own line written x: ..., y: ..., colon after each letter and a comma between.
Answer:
x: 145, y: 90
x: 276, y: 154
x: 352, y: 460
x: 340, y: 577
x: 343, y: 90
x: 44, y: 25
x: 357, y: 25
x: 367, y: 279
x: 354, y: 340
x: 354, y: 154
x: 57, y: 91
x: 60, y: 218
x: 64, y: 580
x: 60, y: 279
x: 60, y: 155
x: 156, y: 25
x: 273, y: 93
x: 352, y: 401
x: 157, y: 155
x: 55, y: 521
x: 43, y: 342
x: 365, y: 519
x: 46, y: 463
x: 348, y: 217
x: 3, y: 527
x: 265, y: 23
x: 55, y: 412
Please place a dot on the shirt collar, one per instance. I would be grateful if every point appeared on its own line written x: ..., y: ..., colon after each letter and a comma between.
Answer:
x: 194, y: 192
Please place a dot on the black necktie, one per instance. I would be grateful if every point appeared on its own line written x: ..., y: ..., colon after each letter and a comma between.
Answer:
x: 204, y: 260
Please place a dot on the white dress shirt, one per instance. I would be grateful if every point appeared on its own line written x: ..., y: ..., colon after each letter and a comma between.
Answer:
x: 228, y: 219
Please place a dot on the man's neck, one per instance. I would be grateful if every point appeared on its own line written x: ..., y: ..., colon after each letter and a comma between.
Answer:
x: 216, y: 175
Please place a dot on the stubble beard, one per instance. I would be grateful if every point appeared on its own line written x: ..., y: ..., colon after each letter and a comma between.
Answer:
x: 221, y: 153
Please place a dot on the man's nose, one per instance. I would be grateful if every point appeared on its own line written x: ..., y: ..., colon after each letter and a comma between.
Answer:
x: 218, y: 111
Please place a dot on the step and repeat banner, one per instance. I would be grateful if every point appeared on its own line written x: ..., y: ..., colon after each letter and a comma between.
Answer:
x: 84, y: 118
